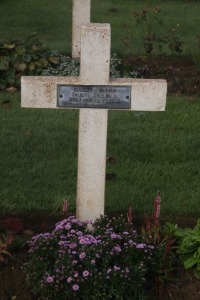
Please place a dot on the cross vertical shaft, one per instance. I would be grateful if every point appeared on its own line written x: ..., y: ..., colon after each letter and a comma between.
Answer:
x: 80, y: 15
x: 95, y: 63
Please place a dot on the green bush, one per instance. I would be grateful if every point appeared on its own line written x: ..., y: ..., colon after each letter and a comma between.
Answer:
x: 189, y: 248
x: 31, y: 57
x: 63, y: 65
x: 67, y: 66
x: 21, y: 57
x: 149, y: 20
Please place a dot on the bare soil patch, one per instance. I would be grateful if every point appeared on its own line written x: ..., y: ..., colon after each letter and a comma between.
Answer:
x: 182, y: 75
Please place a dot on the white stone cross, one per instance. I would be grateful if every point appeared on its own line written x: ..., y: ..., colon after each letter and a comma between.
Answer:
x: 41, y: 92
x: 80, y: 15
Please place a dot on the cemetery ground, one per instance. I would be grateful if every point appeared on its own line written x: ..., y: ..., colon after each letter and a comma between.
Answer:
x: 147, y: 152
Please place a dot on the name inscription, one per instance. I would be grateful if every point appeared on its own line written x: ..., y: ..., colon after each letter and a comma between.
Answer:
x: 81, y: 96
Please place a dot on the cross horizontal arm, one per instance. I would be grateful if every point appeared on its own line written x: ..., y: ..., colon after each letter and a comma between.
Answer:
x: 146, y: 94
x: 41, y: 91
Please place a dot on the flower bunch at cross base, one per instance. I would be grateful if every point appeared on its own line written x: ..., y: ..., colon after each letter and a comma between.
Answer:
x: 111, y: 262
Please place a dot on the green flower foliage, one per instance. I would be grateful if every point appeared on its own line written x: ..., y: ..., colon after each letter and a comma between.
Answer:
x: 189, y: 248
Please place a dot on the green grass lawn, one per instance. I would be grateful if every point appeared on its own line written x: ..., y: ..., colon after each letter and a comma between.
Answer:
x: 154, y: 151
x: 52, y: 20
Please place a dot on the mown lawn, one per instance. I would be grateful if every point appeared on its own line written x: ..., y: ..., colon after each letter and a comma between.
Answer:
x: 153, y: 151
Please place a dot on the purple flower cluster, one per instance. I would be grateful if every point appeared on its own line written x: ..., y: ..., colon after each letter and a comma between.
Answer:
x: 69, y: 223
x: 74, y: 259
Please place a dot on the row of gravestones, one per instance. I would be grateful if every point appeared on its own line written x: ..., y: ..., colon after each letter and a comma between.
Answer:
x: 93, y: 93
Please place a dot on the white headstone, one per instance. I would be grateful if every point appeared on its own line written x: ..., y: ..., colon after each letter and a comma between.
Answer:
x: 55, y: 92
x: 80, y: 15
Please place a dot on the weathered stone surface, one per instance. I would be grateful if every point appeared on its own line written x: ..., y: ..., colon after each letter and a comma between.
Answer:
x: 80, y: 15
x: 41, y: 92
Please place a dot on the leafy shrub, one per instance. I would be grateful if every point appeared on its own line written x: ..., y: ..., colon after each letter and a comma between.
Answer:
x: 175, y: 44
x: 21, y: 57
x: 67, y: 66
x: 189, y: 248
x: 31, y: 57
x: 110, y: 262
x: 63, y: 65
x: 149, y: 20
x: 115, y: 66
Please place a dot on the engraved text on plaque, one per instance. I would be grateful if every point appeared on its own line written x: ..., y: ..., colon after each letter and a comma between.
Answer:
x: 90, y: 96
